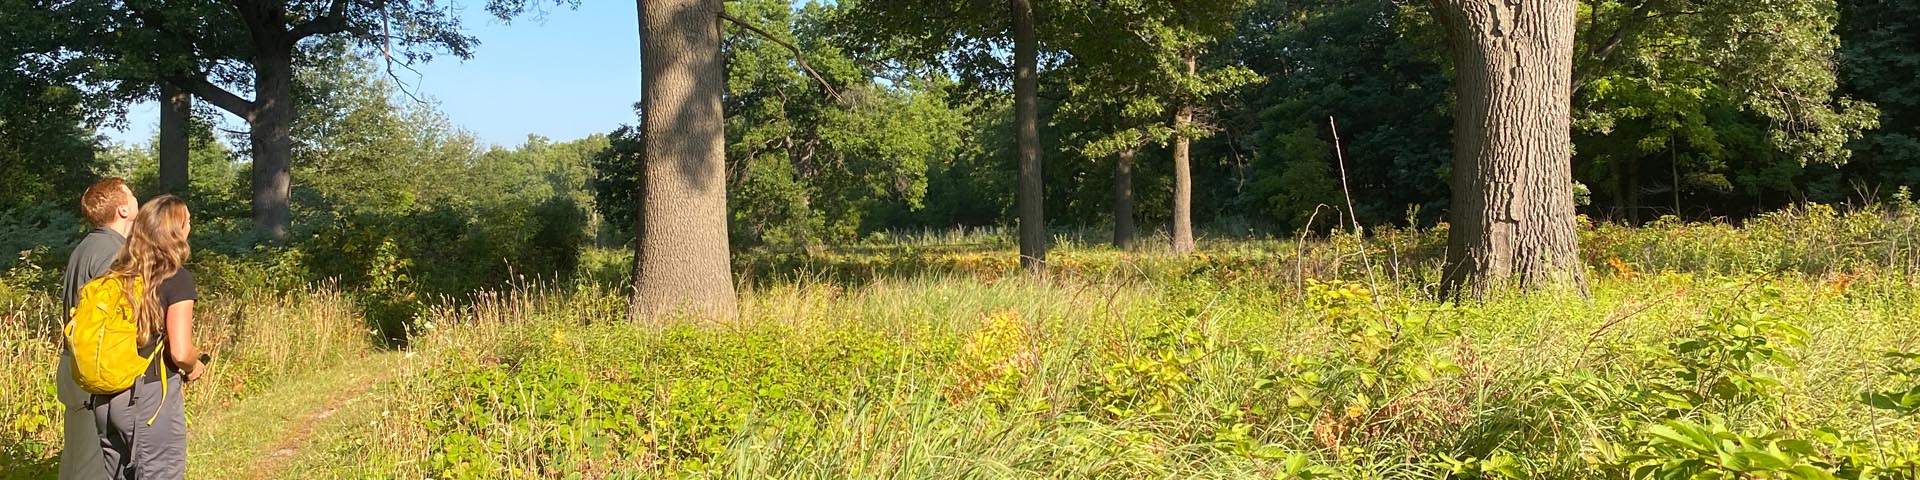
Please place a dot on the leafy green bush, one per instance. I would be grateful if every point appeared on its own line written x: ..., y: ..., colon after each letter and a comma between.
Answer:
x: 50, y: 230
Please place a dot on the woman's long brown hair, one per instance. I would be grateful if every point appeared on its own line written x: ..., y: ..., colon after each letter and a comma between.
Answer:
x: 156, y: 249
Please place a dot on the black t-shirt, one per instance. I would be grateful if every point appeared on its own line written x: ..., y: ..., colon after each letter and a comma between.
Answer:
x: 179, y: 288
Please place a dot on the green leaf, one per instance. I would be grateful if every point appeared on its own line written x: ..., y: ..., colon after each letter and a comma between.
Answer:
x: 1809, y: 472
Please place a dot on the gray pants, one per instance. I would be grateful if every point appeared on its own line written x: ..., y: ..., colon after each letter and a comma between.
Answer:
x: 80, y: 457
x: 134, y: 450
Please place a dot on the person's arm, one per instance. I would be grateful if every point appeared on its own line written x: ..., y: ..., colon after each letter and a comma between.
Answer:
x: 180, y: 339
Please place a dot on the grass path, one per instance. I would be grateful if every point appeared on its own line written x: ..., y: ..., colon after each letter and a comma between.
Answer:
x: 259, y: 436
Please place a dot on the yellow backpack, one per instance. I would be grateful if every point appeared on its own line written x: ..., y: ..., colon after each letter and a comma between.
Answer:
x: 104, y: 338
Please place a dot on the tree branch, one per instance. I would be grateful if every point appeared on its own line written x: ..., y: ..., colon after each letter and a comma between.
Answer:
x: 335, y: 21
x: 213, y: 94
x: 1596, y: 59
x: 797, y: 56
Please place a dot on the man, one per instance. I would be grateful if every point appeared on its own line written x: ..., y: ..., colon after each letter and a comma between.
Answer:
x: 109, y: 206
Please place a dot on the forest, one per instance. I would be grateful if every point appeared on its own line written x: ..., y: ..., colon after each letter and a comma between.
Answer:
x: 1020, y: 239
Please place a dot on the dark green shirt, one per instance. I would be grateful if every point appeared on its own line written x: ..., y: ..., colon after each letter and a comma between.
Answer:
x: 90, y: 260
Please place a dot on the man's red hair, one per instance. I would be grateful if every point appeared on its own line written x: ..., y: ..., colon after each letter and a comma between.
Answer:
x: 103, y: 200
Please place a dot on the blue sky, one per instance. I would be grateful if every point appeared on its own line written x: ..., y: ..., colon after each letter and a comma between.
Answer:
x: 564, y: 76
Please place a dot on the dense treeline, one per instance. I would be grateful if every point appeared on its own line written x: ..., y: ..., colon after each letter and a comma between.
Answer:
x: 838, y: 128
x: 1696, y: 109
x: 392, y: 198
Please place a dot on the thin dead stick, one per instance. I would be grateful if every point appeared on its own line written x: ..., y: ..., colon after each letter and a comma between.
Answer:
x: 1340, y: 156
x: 1622, y: 316
x: 797, y: 56
x: 1300, y: 251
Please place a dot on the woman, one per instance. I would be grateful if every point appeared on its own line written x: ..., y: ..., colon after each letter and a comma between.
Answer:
x: 143, y: 430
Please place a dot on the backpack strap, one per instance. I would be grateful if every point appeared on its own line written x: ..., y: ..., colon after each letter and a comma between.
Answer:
x: 163, y: 380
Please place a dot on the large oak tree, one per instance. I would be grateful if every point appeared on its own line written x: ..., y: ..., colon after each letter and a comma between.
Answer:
x: 218, y: 50
x: 1512, y: 210
x: 681, y: 257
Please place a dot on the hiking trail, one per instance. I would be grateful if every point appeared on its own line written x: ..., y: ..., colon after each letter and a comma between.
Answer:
x: 260, y: 435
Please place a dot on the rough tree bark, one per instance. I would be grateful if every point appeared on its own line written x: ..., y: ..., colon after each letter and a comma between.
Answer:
x: 271, y: 134
x: 1512, y: 212
x: 175, y: 106
x: 681, y: 262
x: 1124, y: 230
x: 1026, y: 125
x: 1183, y: 170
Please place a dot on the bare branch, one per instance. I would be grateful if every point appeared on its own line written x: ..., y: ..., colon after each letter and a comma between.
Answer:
x: 797, y: 56
x: 213, y: 94
x: 386, y: 52
x: 401, y: 85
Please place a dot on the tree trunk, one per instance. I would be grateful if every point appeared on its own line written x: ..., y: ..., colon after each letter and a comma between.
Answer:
x: 681, y: 263
x: 1124, y: 230
x: 1026, y: 125
x: 271, y: 122
x: 1183, y: 170
x: 1512, y: 212
x: 175, y: 107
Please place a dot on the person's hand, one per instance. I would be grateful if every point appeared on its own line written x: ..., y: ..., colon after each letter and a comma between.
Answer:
x: 198, y: 370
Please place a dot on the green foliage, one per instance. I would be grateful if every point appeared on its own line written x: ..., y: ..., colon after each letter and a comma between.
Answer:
x: 996, y: 362
x: 1374, y: 68
x: 48, y: 231
x: 1877, y: 64
x: 355, y: 147
x: 503, y: 242
x: 1149, y: 378
x: 1683, y: 449
x: 1381, y: 363
x: 1730, y: 94
x: 669, y: 401
x: 394, y: 193
x: 217, y: 181
x: 1302, y: 184
x: 616, y: 179
x: 1696, y: 382
x: 1128, y: 72
x: 46, y: 144
x: 1208, y: 379
x: 806, y: 166
x: 1816, y: 239
x: 1903, y: 397
x: 1123, y: 364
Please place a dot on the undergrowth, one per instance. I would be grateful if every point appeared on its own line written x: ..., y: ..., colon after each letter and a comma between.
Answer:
x: 1781, y: 348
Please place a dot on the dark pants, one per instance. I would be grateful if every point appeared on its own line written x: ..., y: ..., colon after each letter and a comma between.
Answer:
x: 133, y: 448
x: 80, y: 457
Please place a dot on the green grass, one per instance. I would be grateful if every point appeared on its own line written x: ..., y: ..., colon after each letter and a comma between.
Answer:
x: 261, y: 341
x: 928, y: 360
x: 263, y: 435
x: 1192, y: 378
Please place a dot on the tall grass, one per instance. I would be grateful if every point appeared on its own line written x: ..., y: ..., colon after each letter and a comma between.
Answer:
x: 932, y: 357
x: 256, y: 338
x: 937, y: 360
x: 907, y: 378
